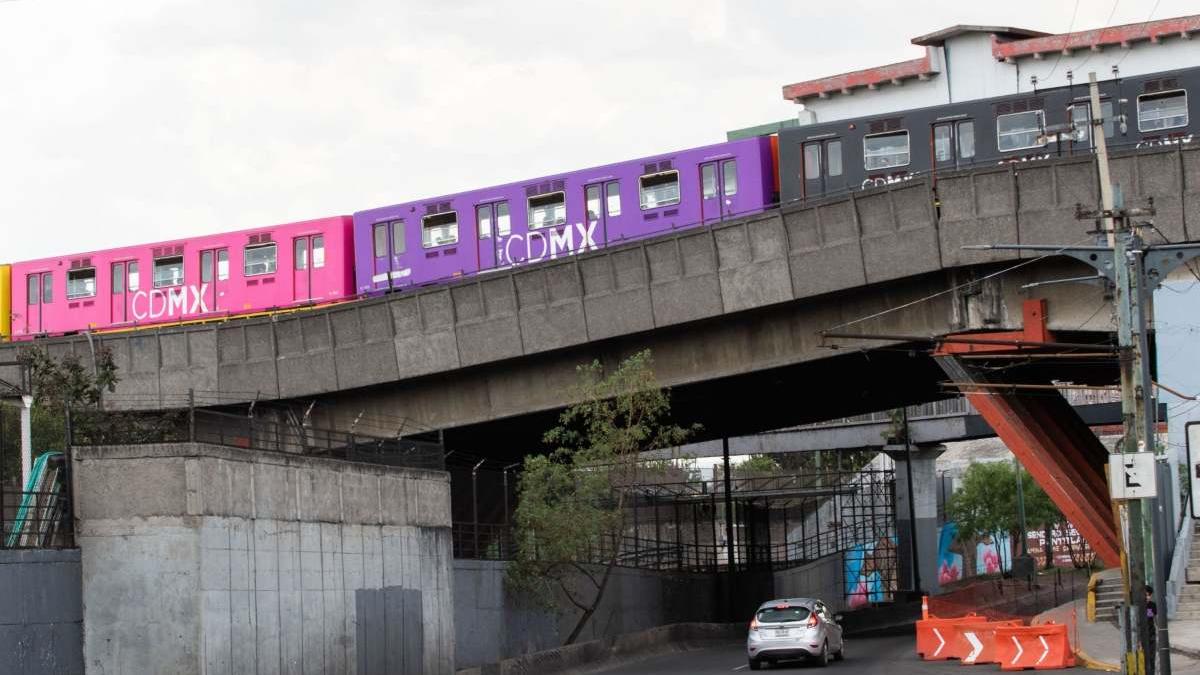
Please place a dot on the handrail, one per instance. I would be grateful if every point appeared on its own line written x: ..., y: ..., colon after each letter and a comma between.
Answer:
x: 1179, y: 561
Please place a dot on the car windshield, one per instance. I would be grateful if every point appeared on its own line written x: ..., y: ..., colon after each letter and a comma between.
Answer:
x: 782, y: 614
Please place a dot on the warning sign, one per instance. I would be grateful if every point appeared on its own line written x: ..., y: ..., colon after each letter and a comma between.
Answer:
x: 1131, y: 475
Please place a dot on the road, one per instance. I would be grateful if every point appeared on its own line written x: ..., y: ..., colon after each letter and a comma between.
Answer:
x: 864, y: 656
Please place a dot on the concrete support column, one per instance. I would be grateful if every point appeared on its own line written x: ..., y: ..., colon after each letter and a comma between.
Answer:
x: 26, y: 440
x: 916, y: 515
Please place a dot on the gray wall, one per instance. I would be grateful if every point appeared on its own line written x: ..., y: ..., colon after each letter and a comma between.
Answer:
x: 41, y: 615
x: 203, y: 559
x: 824, y: 579
x: 492, y: 625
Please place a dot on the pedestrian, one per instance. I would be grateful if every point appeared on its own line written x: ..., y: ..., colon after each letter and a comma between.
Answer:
x: 1152, y: 643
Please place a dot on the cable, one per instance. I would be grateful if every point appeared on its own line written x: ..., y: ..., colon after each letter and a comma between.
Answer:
x: 1107, y: 22
x: 952, y: 289
x: 1060, y: 52
x: 1144, y: 23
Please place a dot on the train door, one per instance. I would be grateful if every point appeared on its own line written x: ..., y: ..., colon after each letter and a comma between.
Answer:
x: 493, y: 225
x: 718, y: 185
x: 953, y: 143
x: 1080, y: 115
x: 214, y: 277
x: 603, y: 202
x: 821, y: 167
x: 40, y: 292
x: 308, y: 255
x: 119, y: 302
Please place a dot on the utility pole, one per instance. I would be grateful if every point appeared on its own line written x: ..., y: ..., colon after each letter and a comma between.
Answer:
x: 1121, y: 258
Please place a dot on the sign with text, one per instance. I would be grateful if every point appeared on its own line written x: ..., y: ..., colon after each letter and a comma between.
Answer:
x: 1193, y: 461
x: 1131, y: 475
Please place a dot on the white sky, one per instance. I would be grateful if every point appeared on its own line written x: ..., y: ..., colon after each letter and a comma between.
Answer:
x: 127, y: 121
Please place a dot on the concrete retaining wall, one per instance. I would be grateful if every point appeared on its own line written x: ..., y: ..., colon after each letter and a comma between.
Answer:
x: 41, y: 614
x: 203, y: 559
x: 492, y: 625
x: 824, y: 579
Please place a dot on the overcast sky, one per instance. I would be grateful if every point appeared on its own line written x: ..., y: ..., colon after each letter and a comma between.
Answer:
x: 132, y: 121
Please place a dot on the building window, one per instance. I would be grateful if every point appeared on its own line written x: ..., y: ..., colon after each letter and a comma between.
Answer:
x: 381, y: 240
x: 81, y: 283
x: 439, y: 230
x: 1019, y: 131
x: 258, y: 260
x: 118, y: 278
x: 659, y: 189
x: 134, y: 277
x: 613, y: 192
x: 885, y: 151
x: 943, y: 146
x: 834, y: 150
x: 708, y: 180
x: 318, y: 248
x: 222, y: 265
x: 547, y: 210
x: 966, y: 139
x: 31, y: 296
x: 168, y: 271
x: 483, y: 220
x: 592, y: 198
x: 812, y: 161
x: 1166, y: 110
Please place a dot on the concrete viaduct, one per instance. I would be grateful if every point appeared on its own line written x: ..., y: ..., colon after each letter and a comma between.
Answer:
x: 732, y: 313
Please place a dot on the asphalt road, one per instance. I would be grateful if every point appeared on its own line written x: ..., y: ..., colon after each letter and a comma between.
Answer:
x: 864, y: 656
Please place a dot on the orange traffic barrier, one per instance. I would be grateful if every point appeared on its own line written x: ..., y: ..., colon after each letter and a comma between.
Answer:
x: 1041, y: 647
x: 934, y: 636
x: 974, y: 643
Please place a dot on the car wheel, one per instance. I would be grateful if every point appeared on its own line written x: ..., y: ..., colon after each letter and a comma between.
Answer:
x: 823, y: 658
x: 841, y: 652
x: 755, y: 664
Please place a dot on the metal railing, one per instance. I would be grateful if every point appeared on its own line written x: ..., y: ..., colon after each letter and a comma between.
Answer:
x: 97, y: 427
x: 35, y: 519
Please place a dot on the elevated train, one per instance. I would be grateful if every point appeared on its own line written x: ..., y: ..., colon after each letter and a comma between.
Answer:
x: 437, y: 240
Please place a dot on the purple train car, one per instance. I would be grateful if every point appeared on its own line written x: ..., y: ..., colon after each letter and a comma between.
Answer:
x: 431, y: 240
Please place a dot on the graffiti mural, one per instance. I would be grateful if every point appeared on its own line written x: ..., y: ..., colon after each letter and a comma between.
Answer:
x: 950, y: 564
x: 870, y: 571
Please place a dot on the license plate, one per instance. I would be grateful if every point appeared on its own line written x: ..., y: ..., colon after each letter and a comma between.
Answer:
x: 782, y: 632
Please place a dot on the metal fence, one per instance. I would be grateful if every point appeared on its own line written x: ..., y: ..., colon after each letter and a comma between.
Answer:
x: 97, y: 427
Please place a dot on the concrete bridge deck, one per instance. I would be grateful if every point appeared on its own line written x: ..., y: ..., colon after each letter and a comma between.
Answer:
x: 716, y: 305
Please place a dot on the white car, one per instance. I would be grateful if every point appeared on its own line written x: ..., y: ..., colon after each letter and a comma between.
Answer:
x: 794, y: 628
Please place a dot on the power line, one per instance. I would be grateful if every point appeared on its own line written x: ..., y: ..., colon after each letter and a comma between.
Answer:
x: 1144, y: 23
x: 1070, y: 25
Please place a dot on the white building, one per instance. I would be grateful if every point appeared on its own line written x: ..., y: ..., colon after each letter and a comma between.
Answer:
x: 964, y: 63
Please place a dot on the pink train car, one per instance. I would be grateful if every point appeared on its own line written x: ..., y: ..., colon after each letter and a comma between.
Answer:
x: 208, y: 277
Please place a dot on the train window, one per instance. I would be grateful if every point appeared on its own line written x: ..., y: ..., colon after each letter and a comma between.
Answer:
x: 1165, y: 110
x: 258, y: 260
x: 31, y: 296
x: 118, y: 278
x: 943, y: 145
x: 222, y: 265
x: 503, y: 222
x: 966, y: 139
x: 380, y: 235
x: 613, y: 193
x: 1018, y: 131
x: 730, y: 170
x: 318, y: 248
x: 812, y: 161
x: 708, y: 180
x: 168, y: 271
x: 81, y: 283
x: 206, y: 266
x: 47, y: 288
x: 483, y: 216
x: 300, y: 253
x: 399, y: 243
x: 547, y: 210
x: 134, y: 277
x: 885, y: 151
x: 439, y: 230
x: 592, y: 197
x: 834, y: 158
x: 659, y: 189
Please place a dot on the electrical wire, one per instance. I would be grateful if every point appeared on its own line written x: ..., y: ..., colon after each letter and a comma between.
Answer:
x: 1070, y: 25
x: 1144, y: 24
x: 1107, y: 22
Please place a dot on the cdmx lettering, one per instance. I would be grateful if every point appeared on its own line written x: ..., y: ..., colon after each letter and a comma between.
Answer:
x: 538, y: 245
x: 1159, y: 142
x: 159, y: 302
x: 880, y: 181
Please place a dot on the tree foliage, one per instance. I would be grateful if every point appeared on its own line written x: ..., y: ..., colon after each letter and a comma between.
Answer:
x: 756, y: 465
x: 987, y: 502
x: 570, y: 513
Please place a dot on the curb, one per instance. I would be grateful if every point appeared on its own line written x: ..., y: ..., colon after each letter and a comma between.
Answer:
x: 1185, y: 651
x: 1093, y: 664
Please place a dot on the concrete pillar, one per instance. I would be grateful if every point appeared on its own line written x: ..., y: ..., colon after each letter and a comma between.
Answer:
x: 26, y: 440
x: 918, y: 516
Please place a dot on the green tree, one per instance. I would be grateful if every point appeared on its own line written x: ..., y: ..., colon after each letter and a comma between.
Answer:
x: 986, y: 504
x: 570, y: 514
x: 756, y: 465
